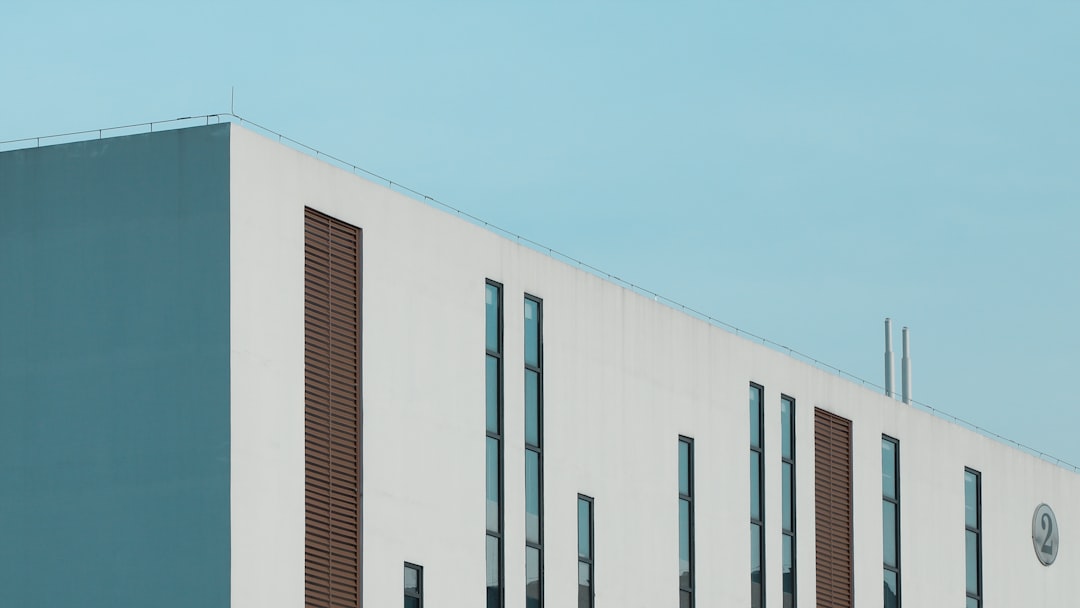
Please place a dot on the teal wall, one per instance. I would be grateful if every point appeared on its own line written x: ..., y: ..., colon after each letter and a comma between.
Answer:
x: 114, y: 372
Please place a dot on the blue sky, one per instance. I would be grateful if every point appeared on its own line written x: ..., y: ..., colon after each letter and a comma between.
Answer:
x: 800, y: 170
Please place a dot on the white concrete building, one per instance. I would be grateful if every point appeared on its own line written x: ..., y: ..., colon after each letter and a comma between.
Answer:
x: 174, y: 302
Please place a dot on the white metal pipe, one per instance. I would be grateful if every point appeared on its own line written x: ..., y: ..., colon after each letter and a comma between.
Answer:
x: 905, y: 363
x: 889, y: 370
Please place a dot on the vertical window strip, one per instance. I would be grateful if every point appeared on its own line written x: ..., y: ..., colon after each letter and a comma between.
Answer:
x: 534, y: 455
x: 494, y: 449
x: 973, y: 536
x: 890, y: 519
x: 686, y: 522
x: 586, y: 544
x: 757, y: 497
x: 787, y: 459
x: 414, y: 586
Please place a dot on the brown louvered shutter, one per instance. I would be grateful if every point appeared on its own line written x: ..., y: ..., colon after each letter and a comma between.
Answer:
x: 332, y: 415
x: 832, y: 501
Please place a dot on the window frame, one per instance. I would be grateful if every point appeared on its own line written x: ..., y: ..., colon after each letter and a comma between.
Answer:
x: 977, y: 530
x: 689, y: 498
x: 790, y: 533
x: 895, y: 501
x: 537, y: 448
x: 759, y: 449
x: 591, y: 559
x: 498, y: 435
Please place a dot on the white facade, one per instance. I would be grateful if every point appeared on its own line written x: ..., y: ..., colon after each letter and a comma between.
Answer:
x: 624, y: 376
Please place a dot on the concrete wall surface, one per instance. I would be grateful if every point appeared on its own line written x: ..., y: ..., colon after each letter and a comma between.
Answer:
x: 114, y: 427
x: 624, y: 377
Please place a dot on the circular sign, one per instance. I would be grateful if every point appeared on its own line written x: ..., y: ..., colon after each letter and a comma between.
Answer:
x: 1044, y: 534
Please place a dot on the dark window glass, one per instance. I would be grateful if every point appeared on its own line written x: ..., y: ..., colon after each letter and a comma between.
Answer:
x: 585, y: 552
x: 684, y: 543
x: 686, y: 599
x: 686, y: 521
x: 892, y: 590
x: 787, y: 496
x: 757, y: 515
x: 584, y: 585
x: 494, y: 595
x: 532, y: 332
x: 492, y: 326
x: 888, y: 521
x: 532, y: 577
x: 888, y: 468
x: 493, y: 484
x: 584, y: 518
x: 789, y: 566
x: 755, y: 485
x: 972, y: 538
x: 890, y: 518
x: 787, y: 428
x: 534, y: 413
x: 532, y: 407
x: 412, y: 579
x: 684, y: 468
x: 755, y: 416
x: 532, y: 496
x: 491, y: 379
x: 493, y: 448
x: 755, y: 551
x: 971, y: 499
x: 755, y: 566
x: 413, y: 586
x: 972, y: 542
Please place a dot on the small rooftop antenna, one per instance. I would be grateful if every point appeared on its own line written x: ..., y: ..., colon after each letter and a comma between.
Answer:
x: 889, y: 369
x: 232, y: 101
x: 905, y: 363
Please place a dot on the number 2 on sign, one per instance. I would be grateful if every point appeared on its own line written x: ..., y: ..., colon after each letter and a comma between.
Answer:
x: 1048, y: 540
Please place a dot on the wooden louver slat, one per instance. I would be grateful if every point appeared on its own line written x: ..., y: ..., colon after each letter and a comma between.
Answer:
x: 332, y: 413
x: 832, y: 502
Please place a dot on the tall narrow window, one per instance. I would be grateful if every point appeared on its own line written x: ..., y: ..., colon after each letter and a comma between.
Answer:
x: 890, y: 518
x: 534, y: 455
x: 686, y: 522
x: 585, y: 551
x: 973, y: 537
x: 494, y: 450
x: 833, y: 536
x: 787, y: 459
x: 333, y: 494
x: 414, y: 586
x: 757, y: 499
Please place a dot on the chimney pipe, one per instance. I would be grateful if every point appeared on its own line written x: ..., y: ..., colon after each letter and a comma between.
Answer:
x: 906, y: 368
x: 889, y: 370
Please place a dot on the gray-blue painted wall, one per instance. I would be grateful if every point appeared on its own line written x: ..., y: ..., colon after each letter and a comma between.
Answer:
x: 114, y: 372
